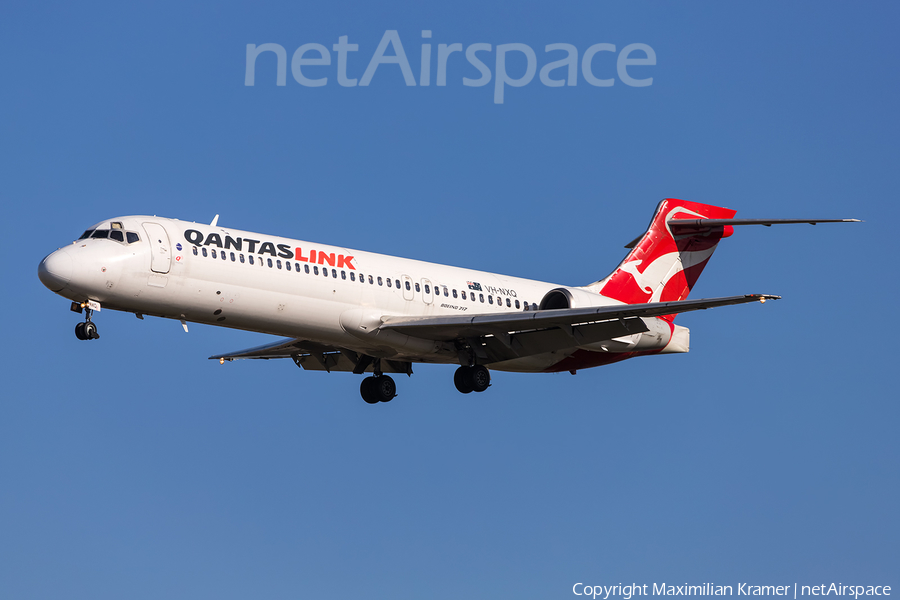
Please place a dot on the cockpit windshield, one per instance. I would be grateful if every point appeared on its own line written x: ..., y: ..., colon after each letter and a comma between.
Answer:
x: 116, y: 234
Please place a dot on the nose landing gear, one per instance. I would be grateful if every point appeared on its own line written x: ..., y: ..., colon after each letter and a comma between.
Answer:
x: 88, y: 329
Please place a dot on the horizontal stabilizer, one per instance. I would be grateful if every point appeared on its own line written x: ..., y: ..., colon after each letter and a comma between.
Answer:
x: 694, y: 223
x: 681, y: 226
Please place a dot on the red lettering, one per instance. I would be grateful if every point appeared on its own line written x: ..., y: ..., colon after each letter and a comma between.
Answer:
x: 298, y: 255
x: 312, y: 256
x: 326, y: 258
x: 344, y: 261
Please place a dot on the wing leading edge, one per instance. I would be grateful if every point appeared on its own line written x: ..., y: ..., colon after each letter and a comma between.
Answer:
x: 453, y: 327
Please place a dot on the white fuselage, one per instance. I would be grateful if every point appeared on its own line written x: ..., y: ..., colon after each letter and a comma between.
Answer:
x: 325, y: 294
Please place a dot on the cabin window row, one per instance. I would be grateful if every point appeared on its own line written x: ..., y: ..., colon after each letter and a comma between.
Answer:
x: 381, y: 281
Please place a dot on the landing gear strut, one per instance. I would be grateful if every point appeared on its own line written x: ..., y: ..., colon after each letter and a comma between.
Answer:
x: 88, y: 329
x: 472, y: 379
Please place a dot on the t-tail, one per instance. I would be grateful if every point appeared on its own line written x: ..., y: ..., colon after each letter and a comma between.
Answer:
x: 665, y: 263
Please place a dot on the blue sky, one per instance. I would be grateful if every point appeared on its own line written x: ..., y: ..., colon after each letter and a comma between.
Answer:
x: 134, y: 467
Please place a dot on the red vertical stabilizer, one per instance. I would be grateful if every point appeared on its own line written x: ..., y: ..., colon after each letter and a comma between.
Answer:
x: 663, y: 266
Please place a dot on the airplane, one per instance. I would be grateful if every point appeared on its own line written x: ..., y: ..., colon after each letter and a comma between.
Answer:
x: 360, y: 312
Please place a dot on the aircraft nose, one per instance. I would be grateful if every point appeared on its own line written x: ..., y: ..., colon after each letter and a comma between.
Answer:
x: 55, y: 271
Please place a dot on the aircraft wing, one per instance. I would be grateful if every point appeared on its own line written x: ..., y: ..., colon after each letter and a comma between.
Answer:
x: 312, y: 356
x: 495, y: 336
x: 505, y: 336
x: 463, y: 326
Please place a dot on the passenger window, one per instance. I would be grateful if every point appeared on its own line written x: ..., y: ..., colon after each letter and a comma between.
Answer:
x: 427, y: 289
x: 131, y: 237
x: 242, y: 257
x: 100, y: 234
x: 306, y: 269
x: 490, y: 299
x: 352, y: 276
x: 463, y: 294
x: 117, y: 234
x: 324, y: 271
x: 297, y: 267
x: 408, y: 287
x: 379, y: 281
x: 508, y: 303
x: 397, y: 282
x: 250, y: 258
x: 287, y: 265
x: 213, y: 252
x: 417, y: 288
x: 517, y: 304
x: 454, y: 293
x: 389, y: 283
x: 481, y: 297
x: 232, y: 257
x: 343, y: 274
x: 446, y: 293
x: 371, y: 281
x: 334, y: 273
x: 194, y: 250
x: 277, y: 263
x: 203, y: 250
x: 269, y: 262
x: 86, y: 234
x: 315, y: 270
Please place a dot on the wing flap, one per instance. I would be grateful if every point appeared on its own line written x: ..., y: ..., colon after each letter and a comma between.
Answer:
x: 284, y: 348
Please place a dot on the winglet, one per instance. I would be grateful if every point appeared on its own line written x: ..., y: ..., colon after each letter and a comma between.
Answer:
x: 214, y: 221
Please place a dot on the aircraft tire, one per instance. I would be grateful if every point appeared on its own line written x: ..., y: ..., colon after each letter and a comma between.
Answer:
x: 90, y: 331
x: 366, y: 390
x: 385, y: 388
x: 79, y: 331
x: 462, y: 379
x: 480, y: 378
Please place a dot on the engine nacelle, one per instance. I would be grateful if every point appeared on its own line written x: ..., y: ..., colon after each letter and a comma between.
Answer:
x: 660, y: 335
x: 570, y: 298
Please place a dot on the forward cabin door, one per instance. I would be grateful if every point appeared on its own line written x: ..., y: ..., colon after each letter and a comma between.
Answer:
x: 160, y: 252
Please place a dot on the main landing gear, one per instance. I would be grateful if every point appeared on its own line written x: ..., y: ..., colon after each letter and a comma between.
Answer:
x: 379, y: 388
x: 88, y: 329
x: 472, y: 379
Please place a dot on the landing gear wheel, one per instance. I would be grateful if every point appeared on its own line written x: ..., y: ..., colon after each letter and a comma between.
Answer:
x: 463, y: 381
x: 90, y: 331
x: 366, y: 390
x: 385, y: 388
x: 480, y: 378
x: 79, y: 331
x: 378, y: 389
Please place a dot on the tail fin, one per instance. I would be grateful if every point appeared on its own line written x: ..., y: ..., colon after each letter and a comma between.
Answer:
x: 663, y: 266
